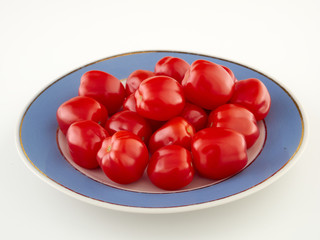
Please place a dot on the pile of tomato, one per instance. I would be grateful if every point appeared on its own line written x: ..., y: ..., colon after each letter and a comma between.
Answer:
x: 172, y: 122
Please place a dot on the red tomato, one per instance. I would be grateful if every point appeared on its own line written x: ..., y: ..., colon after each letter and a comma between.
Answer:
x: 123, y: 157
x: 159, y: 98
x: 195, y: 115
x: 219, y: 153
x: 78, y: 109
x: 103, y: 87
x: 176, y: 131
x: 252, y: 94
x: 135, y: 78
x: 207, y: 84
x: 170, y: 167
x: 237, y: 118
x: 172, y: 67
x: 130, y: 103
x: 129, y: 121
x: 84, y: 140
x: 230, y: 73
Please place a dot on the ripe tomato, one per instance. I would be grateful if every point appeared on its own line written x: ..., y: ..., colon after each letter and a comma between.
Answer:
x: 172, y: 67
x: 78, y: 109
x: 252, y: 94
x: 103, y: 87
x: 159, y: 98
x: 123, y: 157
x: 135, y: 78
x: 170, y: 167
x: 84, y: 140
x: 219, y: 153
x: 237, y: 118
x: 129, y: 121
x: 195, y: 115
x: 176, y: 131
x: 130, y: 103
x: 230, y: 73
x: 207, y: 84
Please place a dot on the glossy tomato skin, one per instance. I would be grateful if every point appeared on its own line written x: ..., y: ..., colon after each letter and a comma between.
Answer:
x: 230, y: 73
x: 135, y: 79
x: 159, y: 98
x: 172, y: 67
x: 80, y: 108
x: 84, y: 139
x: 129, y: 121
x: 105, y: 88
x: 176, y: 131
x: 219, y: 153
x: 237, y: 118
x: 170, y: 168
x: 207, y: 84
x: 130, y: 103
x: 123, y: 157
x: 252, y: 94
x: 195, y: 115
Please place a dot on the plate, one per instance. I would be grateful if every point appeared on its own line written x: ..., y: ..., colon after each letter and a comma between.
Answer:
x: 41, y: 145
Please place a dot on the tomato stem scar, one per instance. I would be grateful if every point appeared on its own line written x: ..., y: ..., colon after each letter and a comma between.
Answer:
x: 109, y: 148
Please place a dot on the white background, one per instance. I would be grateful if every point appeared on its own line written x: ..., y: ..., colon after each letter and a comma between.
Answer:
x: 43, y: 40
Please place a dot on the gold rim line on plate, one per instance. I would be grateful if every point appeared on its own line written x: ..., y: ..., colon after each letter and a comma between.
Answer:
x: 163, y: 51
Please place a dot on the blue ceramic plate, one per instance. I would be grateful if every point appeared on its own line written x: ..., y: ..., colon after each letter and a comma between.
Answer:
x: 285, y: 127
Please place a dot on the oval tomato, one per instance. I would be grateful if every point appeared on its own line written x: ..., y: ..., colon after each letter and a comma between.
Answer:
x: 159, y: 98
x: 129, y: 121
x: 207, y: 84
x: 252, y: 94
x: 105, y: 88
x: 219, y: 153
x: 195, y: 115
x: 80, y: 108
x: 123, y: 157
x: 84, y: 141
x: 170, y: 168
x: 237, y: 118
x: 172, y: 67
x: 135, y: 78
x: 176, y: 131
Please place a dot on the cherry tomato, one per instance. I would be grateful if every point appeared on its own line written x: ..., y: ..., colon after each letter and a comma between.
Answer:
x: 78, y: 109
x: 237, y: 118
x: 103, y: 87
x: 207, y: 84
x: 219, y: 153
x: 159, y: 98
x: 195, y: 115
x: 170, y: 167
x: 84, y: 140
x: 252, y: 94
x: 135, y: 78
x: 172, y: 67
x: 130, y: 103
x: 176, y: 131
x: 230, y: 73
x: 129, y: 121
x: 123, y: 157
